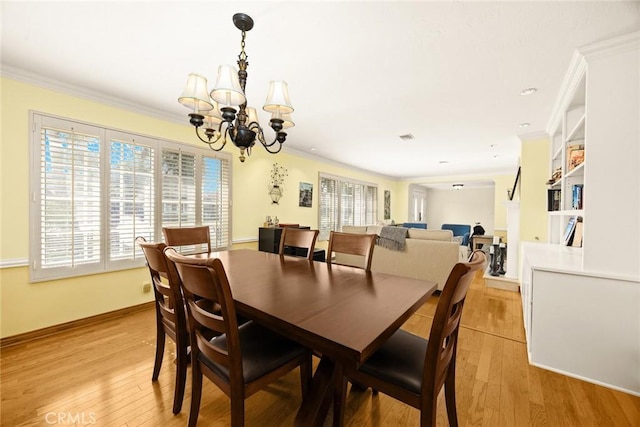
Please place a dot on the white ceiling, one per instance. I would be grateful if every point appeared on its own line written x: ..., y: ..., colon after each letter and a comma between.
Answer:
x: 360, y: 73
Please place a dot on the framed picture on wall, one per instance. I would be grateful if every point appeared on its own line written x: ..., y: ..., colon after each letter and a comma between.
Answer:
x: 306, y: 194
x: 387, y: 204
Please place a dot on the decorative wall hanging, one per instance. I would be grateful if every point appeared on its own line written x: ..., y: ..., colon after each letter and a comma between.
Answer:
x: 306, y: 194
x: 276, y: 187
x: 387, y: 204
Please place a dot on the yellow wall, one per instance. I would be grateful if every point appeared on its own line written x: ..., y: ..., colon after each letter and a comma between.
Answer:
x: 54, y: 302
x: 533, y: 190
x: 59, y: 301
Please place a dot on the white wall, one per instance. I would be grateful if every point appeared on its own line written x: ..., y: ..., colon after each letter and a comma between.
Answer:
x: 465, y: 206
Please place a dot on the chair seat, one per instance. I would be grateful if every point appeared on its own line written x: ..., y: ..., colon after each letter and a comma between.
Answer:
x: 399, y: 361
x: 262, y: 351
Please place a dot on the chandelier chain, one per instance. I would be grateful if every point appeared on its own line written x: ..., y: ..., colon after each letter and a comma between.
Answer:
x: 243, y: 54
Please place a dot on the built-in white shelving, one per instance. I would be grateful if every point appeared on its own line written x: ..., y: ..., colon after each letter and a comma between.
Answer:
x: 581, y: 304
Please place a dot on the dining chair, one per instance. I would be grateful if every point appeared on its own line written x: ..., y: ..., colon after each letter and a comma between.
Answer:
x: 240, y: 360
x: 189, y: 237
x: 170, y: 314
x: 298, y: 238
x: 352, y: 244
x: 413, y: 369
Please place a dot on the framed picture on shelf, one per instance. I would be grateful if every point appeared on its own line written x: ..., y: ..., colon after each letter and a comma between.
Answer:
x: 575, y: 156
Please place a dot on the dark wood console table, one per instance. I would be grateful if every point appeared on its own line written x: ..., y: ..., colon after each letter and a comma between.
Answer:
x: 269, y: 241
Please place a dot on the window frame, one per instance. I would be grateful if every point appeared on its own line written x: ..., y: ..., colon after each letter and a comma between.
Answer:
x: 106, y: 135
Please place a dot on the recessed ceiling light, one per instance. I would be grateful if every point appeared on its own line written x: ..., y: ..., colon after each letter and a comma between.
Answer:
x: 528, y: 91
x: 458, y: 186
x: 312, y: 149
x: 524, y: 125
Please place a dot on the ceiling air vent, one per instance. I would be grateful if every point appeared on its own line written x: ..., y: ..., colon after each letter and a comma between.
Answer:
x: 407, y: 137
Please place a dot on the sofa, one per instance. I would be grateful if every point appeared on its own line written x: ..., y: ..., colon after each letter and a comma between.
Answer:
x: 427, y: 255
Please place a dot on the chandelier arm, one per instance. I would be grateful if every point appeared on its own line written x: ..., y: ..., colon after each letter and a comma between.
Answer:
x: 210, y: 142
x: 280, y: 137
x: 267, y: 147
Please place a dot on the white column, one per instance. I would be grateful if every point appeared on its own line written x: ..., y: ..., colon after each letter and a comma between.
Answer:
x: 513, y: 237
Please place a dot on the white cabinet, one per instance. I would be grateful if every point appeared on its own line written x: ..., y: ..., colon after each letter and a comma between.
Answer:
x: 577, y: 323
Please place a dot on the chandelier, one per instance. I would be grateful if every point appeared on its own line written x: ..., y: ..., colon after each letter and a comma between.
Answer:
x: 215, y: 113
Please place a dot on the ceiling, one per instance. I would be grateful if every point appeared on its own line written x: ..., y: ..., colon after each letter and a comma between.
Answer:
x: 360, y: 74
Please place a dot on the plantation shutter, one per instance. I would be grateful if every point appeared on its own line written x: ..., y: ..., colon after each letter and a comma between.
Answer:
x: 371, y: 203
x: 68, y: 198
x: 178, y: 188
x: 131, y: 194
x: 216, y: 200
x: 346, y: 204
x: 328, y: 207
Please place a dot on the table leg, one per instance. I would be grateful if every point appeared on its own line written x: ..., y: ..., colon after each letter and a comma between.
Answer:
x: 339, y: 395
x: 315, y: 404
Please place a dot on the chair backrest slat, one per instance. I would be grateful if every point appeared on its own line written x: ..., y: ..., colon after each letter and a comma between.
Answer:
x: 205, y: 286
x: 352, y: 244
x: 187, y: 236
x: 298, y: 238
x: 168, y: 297
x: 443, y: 338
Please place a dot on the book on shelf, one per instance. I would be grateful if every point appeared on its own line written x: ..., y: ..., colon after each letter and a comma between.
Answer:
x: 576, y: 241
x: 553, y: 199
x: 568, y: 232
x: 577, y: 196
x: 575, y: 156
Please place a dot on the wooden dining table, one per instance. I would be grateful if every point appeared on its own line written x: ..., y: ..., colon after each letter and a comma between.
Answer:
x: 344, y: 313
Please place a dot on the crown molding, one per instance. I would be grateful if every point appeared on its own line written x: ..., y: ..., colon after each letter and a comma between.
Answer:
x: 619, y: 44
x: 84, y: 93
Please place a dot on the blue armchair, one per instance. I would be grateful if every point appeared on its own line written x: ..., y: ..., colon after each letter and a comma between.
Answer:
x: 414, y: 225
x: 462, y: 230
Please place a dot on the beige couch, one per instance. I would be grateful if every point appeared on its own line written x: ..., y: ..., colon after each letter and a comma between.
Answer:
x: 428, y: 254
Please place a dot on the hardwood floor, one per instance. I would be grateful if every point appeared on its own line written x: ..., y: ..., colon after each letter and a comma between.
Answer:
x: 101, y: 375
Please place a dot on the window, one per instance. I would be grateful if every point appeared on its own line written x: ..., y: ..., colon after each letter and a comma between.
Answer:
x: 345, y: 201
x: 95, y: 190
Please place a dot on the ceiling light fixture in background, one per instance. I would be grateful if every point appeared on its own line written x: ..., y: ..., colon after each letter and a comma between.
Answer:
x: 222, y: 123
x: 528, y: 91
x: 524, y: 125
x: 458, y: 186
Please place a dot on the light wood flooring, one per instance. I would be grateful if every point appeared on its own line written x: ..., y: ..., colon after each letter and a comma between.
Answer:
x: 101, y: 375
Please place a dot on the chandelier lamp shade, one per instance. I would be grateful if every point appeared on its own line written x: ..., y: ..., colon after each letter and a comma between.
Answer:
x: 222, y: 114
